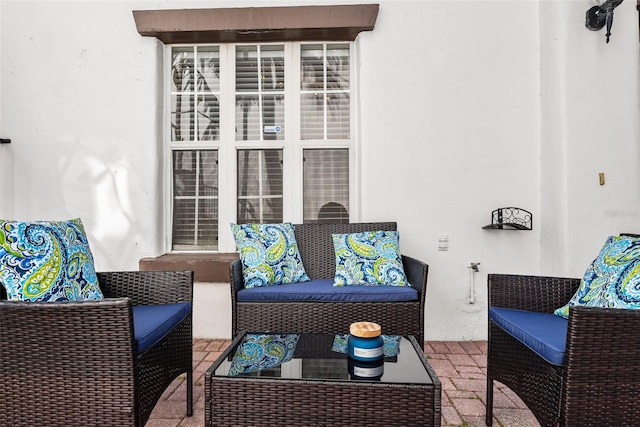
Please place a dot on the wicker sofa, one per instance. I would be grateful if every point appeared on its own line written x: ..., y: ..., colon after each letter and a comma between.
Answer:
x: 596, y: 384
x: 315, y: 316
x: 78, y: 363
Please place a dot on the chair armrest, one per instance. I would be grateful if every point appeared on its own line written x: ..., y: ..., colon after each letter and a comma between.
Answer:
x: 235, y: 276
x: 148, y: 287
x: 64, y: 324
x: 67, y: 352
x: 416, y: 272
x: 602, y: 351
x: 531, y: 293
x: 603, y: 336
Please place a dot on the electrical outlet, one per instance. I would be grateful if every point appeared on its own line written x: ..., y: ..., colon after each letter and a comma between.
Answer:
x: 443, y: 242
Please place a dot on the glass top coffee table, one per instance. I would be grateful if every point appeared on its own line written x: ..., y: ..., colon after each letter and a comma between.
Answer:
x: 308, y: 379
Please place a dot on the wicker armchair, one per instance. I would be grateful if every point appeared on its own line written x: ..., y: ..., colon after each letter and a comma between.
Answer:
x: 316, y: 249
x: 599, y: 383
x: 75, y: 363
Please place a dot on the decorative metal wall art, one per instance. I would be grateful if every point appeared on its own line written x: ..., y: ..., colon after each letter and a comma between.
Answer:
x: 510, y: 218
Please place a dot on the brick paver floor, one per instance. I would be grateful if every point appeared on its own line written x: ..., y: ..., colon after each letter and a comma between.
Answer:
x: 460, y: 365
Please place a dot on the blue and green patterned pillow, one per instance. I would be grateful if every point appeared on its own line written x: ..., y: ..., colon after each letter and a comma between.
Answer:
x: 257, y: 352
x: 370, y: 258
x: 613, y: 278
x: 47, y: 261
x: 391, y: 344
x: 269, y: 254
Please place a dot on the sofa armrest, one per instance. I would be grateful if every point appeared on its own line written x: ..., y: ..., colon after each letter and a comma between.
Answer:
x: 235, y: 276
x: 532, y: 293
x: 416, y: 272
x: 148, y: 287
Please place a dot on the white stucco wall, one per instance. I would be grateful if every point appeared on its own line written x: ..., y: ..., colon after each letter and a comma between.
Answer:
x: 453, y: 109
x: 590, y: 125
x: 465, y: 107
x: 4, y: 156
x: 212, y: 310
x: 79, y: 101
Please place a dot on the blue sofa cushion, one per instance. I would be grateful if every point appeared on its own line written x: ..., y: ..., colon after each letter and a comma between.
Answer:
x: 323, y: 290
x: 544, y: 333
x: 152, y: 322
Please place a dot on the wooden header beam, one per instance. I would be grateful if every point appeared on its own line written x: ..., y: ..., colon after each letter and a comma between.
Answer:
x: 257, y: 24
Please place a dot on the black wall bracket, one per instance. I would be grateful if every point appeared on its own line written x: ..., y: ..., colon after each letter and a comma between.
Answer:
x: 510, y: 218
x: 5, y: 141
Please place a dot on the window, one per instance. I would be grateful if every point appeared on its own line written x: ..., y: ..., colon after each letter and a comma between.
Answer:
x: 257, y: 133
x: 194, y: 138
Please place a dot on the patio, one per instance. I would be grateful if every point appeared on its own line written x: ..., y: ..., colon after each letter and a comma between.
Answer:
x: 460, y: 365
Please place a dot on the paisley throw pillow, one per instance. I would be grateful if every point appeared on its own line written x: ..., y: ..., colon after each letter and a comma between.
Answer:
x: 262, y: 351
x: 47, y: 261
x: 269, y: 254
x: 391, y: 344
x: 613, y: 278
x: 369, y: 258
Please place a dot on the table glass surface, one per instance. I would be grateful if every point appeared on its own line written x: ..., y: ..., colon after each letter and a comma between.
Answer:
x: 319, y: 357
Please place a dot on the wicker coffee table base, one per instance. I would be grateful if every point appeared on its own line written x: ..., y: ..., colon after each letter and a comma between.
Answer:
x: 237, y: 401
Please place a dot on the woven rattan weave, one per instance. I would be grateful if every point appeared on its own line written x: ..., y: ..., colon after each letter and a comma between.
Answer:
x: 75, y: 364
x: 318, y: 401
x: 318, y: 256
x: 599, y: 384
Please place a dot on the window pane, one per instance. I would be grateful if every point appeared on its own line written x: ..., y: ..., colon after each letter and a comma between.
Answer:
x: 182, y: 98
x: 312, y: 116
x: 313, y: 120
x: 247, y: 118
x: 208, y: 118
x: 182, y: 69
x: 260, y: 68
x: 259, y: 186
x: 182, y: 118
x: 195, y: 199
x: 338, y: 117
x: 259, y: 93
x: 246, y: 69
x: 272, y: 68
x: 249, y: 121
x: 338, y: 66
x: 208, y: 69
x: 326, y: 185
x: 325, y: 85
x: 312, y: 64
x: 195, y: 93
x: 272, y: 117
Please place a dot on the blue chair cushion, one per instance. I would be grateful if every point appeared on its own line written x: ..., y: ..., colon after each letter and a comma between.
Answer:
x: 543, y: 333
x: 152, y: 322
x: 323, y: 290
